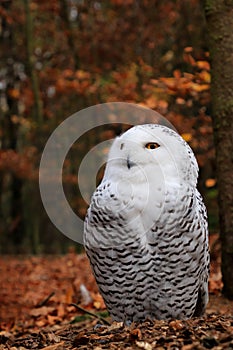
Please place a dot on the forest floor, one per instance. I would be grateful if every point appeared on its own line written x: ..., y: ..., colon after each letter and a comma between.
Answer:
x: 45, y: 303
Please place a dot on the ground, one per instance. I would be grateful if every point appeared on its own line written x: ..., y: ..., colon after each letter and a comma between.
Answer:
x: 47, y: 303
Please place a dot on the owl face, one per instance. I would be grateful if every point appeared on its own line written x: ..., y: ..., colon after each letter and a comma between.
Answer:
x: 152, y: 151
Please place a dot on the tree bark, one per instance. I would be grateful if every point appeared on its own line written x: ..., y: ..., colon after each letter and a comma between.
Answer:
x: 38, y: 112
x: 219, y: 16
x: 69, y: 32
x: 31, y: 213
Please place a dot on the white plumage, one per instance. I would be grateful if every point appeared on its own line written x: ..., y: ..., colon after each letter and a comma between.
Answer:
x: 146, y: 230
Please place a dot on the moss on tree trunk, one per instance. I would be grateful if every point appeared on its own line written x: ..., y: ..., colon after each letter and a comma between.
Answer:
x: 219, y: 16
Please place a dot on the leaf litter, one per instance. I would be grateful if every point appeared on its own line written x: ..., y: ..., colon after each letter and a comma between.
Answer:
x: 38, y: 299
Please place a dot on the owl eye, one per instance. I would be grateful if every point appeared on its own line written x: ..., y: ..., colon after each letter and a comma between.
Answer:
x: 152, y: 145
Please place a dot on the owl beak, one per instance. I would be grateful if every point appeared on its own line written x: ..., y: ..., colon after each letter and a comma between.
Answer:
x: 129, y: 163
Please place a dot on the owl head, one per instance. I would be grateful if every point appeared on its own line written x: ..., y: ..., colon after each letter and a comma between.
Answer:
x: 152, y: 151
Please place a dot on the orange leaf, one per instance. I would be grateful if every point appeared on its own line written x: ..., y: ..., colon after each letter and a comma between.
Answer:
x: 69, y: 295
x: 61, y: 311
x: 204, y: 76
x: 210, y: 182
x: 180, y: 101
x: 187, y: 137
x: 14, y: 93
x: 189, y: 59
x: 97, y: 305
x: 42, y: 311
x: 200, y: 87
x: 53, y: 319
x: 188, y: 49
x: 151, y: 102
x: 203, y: 65
x: 177, y: 74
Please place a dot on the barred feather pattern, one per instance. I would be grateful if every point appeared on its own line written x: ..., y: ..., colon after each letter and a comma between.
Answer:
x: 149, y: 253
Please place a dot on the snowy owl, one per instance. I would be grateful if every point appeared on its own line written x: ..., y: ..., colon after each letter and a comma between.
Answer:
x: 145, y: 231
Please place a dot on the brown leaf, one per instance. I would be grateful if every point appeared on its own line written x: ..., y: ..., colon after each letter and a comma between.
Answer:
x: 42, y: 311
x: 176, y: 325
x: 61, y: 310
x: 69, y: 295
x: 81, y: 339
x: 144, y: 345
x: 59, y: 346
x: 135, y: 334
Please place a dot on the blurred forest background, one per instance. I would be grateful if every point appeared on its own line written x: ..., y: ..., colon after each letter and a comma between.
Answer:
x: 60, y: 56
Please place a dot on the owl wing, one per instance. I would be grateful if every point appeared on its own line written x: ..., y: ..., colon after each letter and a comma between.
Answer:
x: 204, y: 275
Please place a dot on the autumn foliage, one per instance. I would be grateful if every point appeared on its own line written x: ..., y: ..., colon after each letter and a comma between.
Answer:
x: 59, y: 57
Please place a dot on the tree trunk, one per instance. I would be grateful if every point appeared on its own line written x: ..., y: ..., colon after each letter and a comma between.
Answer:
x: 219, y: 16
x: 31, y: 214
x: 38, y: 112
x: 69, y: 31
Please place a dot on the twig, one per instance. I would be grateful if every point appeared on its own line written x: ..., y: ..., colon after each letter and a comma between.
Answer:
x: 43, y: 302
x: 91, y: 314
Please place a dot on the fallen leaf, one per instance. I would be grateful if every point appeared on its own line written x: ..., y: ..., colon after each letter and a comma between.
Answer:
x: 143, y: 345
x: 176, y: 325
x: 59, y: 346
x: 135, y: 334
x: 42, y: 311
